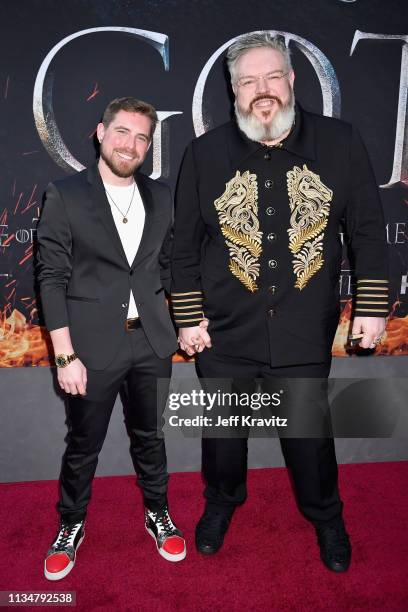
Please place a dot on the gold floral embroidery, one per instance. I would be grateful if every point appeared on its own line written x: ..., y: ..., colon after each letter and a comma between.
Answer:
x: 309, y: 201
x: 238, y: 216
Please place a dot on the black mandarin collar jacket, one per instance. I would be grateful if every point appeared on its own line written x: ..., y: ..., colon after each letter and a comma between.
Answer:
x: 256, y: 242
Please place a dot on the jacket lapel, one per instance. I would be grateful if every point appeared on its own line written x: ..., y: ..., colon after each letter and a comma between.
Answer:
x: 148, y: 203
x: 103, y: 209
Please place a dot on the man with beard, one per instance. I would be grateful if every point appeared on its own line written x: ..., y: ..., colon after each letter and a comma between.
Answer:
x: 256, y: 264
x: 103, y: 265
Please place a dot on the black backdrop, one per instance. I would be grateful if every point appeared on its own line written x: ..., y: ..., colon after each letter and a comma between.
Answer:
x: 363, y: 81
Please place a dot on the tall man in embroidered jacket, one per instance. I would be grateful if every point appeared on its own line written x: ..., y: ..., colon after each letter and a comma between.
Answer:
x: 257, y: 259
x: 103, y: 265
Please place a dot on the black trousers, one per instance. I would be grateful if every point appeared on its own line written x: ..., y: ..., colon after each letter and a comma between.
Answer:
x: 133, y: 373
x: 311, y: 461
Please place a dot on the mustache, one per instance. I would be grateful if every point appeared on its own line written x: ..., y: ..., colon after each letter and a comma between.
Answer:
x: 127, y: 152
x: 265, y: 97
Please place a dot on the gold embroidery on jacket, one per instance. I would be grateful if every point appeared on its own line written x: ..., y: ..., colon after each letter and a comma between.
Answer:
x: 309, y: 201
x: 238, y: 216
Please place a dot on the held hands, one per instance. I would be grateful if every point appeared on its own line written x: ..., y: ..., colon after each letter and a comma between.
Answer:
x: 372, y: 329
x: 72, y: 379
x: 195, y: 339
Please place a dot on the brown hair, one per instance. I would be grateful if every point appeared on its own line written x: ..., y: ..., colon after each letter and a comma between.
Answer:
x: 131, y: 105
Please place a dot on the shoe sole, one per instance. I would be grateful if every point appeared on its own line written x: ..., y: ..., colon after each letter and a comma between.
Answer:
x: 336, y: 570
x: 208, y: 552
x: 163, y: 553
x: 53, y: 576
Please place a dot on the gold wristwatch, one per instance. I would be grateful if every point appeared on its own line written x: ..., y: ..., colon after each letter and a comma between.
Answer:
x: 61, y: 360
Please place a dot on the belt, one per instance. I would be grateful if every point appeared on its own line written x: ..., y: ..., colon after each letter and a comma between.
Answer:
x: 133, y: 324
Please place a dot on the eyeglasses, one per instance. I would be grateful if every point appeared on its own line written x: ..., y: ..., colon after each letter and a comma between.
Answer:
x: 251, y: 81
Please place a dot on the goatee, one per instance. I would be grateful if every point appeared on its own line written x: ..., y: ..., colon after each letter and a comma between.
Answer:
x: 255, y: 130
x: 124, y: 171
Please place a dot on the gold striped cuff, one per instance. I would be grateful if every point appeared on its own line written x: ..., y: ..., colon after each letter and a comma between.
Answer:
x: 372, y: 297
x: 187, y: 308
x: 373, y: 280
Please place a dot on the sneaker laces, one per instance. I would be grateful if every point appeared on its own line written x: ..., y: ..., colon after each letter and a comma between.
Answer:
x: 163, y: 522
x: 66, y: 536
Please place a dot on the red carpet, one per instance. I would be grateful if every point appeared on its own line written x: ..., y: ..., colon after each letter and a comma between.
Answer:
x: 269, y: 560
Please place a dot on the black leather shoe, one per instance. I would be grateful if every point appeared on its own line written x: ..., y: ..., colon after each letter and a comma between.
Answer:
x: 335, y: 547
x: 211, y: 529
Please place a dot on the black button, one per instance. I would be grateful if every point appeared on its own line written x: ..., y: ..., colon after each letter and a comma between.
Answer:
x: 272, y: 289
x: 272, y: 263
x: 124, y: 304
x: 268, y: 183
x: 271, y: 312
x: 268, y: 155
x: 131, y: 273
x: 270, y: 210
x: 271, y: 237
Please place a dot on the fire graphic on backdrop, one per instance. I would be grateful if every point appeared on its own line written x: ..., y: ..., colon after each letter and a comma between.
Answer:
x: 25, y: 344
x: 20, y: 340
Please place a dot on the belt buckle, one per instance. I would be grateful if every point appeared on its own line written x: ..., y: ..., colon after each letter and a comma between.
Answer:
x: 131, y: 323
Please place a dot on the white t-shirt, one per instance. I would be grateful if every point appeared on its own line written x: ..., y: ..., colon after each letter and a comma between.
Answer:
x: 130, y: 233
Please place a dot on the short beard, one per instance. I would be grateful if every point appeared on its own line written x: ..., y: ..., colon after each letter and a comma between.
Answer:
x: 260, y: 132
x: 115, y: 168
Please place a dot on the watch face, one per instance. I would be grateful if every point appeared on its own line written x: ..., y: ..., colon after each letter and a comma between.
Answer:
x: 60, y: 361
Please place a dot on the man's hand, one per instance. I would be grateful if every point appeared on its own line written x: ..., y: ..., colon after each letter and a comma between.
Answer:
x: 195, y: 339
x: 372, y: 329
x: 72, y: 379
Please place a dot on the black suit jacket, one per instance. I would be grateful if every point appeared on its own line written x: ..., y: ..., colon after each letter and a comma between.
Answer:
x: 84, y: 276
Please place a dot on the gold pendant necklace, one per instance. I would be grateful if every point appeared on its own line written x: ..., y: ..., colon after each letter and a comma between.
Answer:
x: 124, y: 220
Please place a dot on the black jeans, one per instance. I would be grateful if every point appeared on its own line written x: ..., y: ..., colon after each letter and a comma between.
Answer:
x: 133, y: 373
x: 311, y: 461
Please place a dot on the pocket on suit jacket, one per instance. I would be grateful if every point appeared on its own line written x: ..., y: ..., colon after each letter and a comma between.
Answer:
x: 78, y: 298
x: 158, y: 290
